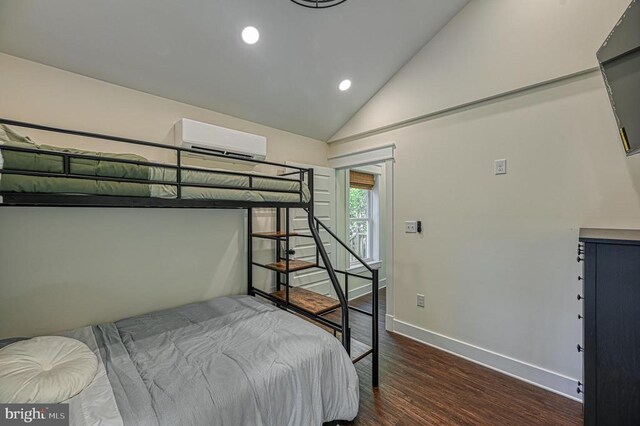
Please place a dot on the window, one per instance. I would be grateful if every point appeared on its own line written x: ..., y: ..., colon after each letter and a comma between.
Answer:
x: 360, y: 222
x: 361, y: 215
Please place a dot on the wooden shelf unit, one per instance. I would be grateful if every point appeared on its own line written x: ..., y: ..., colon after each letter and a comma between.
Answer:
x: 306, y: 304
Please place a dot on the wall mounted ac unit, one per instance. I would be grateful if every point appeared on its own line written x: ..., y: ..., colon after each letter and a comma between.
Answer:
x: 207, y: 138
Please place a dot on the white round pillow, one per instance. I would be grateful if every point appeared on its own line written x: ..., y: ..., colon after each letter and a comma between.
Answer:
x: 47, y: 369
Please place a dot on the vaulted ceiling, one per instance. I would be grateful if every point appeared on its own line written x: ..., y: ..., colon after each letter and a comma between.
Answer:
x: 191, y: 51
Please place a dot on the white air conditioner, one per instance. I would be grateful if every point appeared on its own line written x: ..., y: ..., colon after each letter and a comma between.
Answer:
x: 207, y: 138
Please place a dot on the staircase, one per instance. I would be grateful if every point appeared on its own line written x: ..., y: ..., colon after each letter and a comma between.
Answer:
x: 320, y: 309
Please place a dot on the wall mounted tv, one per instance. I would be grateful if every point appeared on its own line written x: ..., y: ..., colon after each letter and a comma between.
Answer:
x: 619, y: 59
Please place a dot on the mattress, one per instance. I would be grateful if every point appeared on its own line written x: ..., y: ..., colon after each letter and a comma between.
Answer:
x: 257, y: 188
x: 227, y: 361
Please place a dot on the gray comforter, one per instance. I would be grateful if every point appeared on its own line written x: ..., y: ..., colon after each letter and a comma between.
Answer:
x: 228, y: 361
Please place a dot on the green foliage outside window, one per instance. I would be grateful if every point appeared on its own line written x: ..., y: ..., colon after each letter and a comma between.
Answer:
x: 359, y: 221
x: 358, y: 203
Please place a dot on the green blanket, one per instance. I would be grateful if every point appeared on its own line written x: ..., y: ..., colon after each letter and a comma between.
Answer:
x: 36, y: 162
x: 233, y: 187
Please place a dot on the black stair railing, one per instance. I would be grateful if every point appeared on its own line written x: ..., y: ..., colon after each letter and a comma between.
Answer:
x: 374, y: 291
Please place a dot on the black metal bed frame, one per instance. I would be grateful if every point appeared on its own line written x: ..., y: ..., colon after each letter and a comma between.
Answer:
x: 30, y: 199
x: 299, y: 174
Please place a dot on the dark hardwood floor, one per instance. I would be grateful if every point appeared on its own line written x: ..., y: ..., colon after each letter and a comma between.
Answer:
x: 420, y: 385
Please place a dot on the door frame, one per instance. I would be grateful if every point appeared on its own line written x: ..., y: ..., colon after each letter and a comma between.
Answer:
x: 383, y: 154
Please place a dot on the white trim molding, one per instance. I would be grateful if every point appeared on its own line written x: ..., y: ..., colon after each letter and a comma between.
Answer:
x: 388, y: 322
x: 460, y: 107
x: 375, y: 169
x: 359, y: 269
x: 365, y: 289
x: 389, y: 253
x: 372, y: 156
x: 378, y: 154
x: 538, y: 376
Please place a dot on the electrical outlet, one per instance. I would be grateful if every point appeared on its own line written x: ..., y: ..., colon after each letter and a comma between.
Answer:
x: 411, y: 227
x: 501, y: 167
x: 420, y: 300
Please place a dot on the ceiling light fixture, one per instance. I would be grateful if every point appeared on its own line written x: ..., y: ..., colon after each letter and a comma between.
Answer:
x: 344, y: 85
x: 250, y: 35
x: 318, y: 4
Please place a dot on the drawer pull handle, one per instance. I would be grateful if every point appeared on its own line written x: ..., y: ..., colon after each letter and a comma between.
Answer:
x: 580, y: 348
x: 579, y: 259
x: 580, y: 297
x: 580, y: 316
x: 580, y: 278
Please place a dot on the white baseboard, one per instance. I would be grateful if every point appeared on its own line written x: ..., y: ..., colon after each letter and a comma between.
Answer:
x: 365, y: 289
x: 549, y: 380
x: 388, y: 322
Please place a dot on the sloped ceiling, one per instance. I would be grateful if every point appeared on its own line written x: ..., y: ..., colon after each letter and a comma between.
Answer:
x: 492, y: 47
x: 191, y: 51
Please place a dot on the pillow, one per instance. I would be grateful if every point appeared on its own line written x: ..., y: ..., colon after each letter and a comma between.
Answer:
x: 9, y: 135
x: 47, y: 369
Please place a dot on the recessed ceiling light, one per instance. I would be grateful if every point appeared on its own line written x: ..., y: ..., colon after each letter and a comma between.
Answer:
x: 250, y: 35
x: 344, y: 85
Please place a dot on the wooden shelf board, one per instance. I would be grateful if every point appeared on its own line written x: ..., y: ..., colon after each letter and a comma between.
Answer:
x: 311, y: 302
x: 294, y: 265
x: 274, y: 235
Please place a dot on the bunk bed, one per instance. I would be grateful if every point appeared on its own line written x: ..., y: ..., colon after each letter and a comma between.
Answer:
x: 33, y: 175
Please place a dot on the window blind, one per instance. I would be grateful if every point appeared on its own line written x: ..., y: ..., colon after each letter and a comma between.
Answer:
x: 361, y: 180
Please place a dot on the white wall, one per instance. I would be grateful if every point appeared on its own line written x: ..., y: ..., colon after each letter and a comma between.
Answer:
x: 63, y: 268
x: 496, y: 260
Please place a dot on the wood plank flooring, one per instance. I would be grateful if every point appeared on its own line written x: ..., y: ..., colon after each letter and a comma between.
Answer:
x: 420, y: 385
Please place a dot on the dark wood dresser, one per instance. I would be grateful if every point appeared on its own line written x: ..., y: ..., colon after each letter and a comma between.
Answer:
x: 611, y: 324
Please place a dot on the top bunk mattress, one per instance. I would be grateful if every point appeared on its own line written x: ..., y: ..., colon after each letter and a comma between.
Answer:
x: 196, y: 182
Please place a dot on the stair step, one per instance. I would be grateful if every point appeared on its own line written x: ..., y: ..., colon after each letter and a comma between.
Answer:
x: 294, y: 265
x: 359, y: 350
x: 309, y: 301
x: 274, y: 235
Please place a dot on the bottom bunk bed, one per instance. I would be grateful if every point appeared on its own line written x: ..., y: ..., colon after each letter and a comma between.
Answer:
x: 226, y: 361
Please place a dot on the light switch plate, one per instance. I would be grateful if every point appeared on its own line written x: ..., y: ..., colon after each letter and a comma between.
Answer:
x: 411, y: 227
x: 420, y: 300
x: 501, y: 167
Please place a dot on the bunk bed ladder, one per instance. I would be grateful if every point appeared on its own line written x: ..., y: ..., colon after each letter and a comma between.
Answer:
x: 374, y: 278
x: 292, y: 298
x: 346, y: 329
